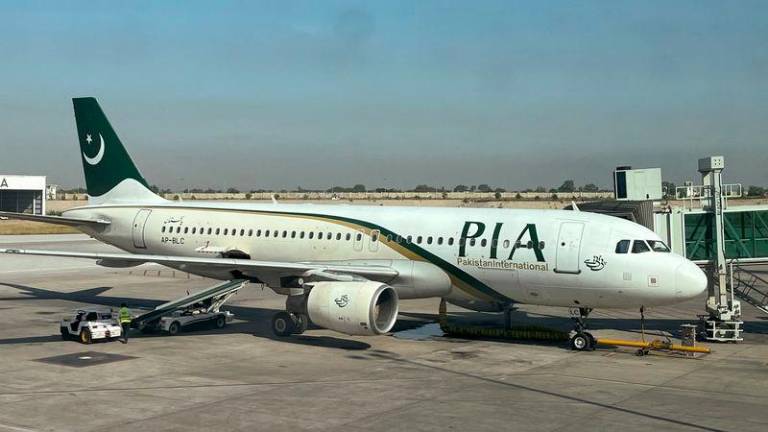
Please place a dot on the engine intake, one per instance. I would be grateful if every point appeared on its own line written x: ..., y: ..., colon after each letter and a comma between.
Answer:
x: 354, y: 308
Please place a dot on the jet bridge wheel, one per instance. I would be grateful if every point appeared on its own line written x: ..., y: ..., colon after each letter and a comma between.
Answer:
x: 283, y: 324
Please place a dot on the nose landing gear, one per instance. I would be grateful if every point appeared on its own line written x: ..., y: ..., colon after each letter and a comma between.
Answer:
x: 581, y: 340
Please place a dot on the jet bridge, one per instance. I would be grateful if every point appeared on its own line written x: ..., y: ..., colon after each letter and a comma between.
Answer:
x: 212, y: 298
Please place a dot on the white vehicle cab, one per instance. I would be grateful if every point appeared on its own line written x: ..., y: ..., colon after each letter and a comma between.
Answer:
x: 90, y: 324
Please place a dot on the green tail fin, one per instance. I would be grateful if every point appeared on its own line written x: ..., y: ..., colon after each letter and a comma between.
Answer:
x: 105, y: 162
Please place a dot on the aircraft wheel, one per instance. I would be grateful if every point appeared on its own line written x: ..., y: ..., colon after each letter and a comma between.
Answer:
x: 301, y: 323
x: 581, y: 342
x: 85, y: 336
x: 173, y: 329
x: 221, y: 322
x: 282, y: 324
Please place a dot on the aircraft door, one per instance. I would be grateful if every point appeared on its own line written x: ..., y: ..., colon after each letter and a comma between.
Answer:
x: 138, y: 228
x: 569, y: 247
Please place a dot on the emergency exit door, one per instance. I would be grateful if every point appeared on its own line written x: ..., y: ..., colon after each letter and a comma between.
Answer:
x: 138, y: 228
x: 569, y: 247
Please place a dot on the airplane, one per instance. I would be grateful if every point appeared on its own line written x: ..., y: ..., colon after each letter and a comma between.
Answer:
x: 346, y: 267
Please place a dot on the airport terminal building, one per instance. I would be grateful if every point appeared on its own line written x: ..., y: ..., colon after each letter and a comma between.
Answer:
x: 22, y: 194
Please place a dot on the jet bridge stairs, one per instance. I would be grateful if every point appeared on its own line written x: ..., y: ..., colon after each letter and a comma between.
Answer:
x: 210, y: 298
x: 751, y: 287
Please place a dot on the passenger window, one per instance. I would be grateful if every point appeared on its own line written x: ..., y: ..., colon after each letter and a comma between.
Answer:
x: 439, y: 240
x: 505, y: 244
x: 541, y: 245
x: 389, y: 237
x: 359, y: 237
x: 218, y: 230
x: 226, y: 230
x: 258, y: 233
x: 622, y: 247
x: 483, y: 242
x: 349, y: 237
x: 311, y: 235
x: 285, y: 233
x: 418, y: 239
x: 194, y: 230
x: 639, y: 246
x: 293, y: 234
x: 210, y: 230
x: 658, y: 246
x: 301, y: 235
x: 409, y: 239
x: 429, y: 240
x: 472, y: 242
x: 338, y: 236
x: 242, y: 232
x: 234, y: 231
x: 162, y: 229
x: 250, y: 233
x: 178, y: 230
x: 276, y: 233
x: 320, y: 235
x: 450, y: 241
x: 329, y: 236
x: 375, y: 237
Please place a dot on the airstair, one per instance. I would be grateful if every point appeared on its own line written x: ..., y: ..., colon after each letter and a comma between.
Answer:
x: 211, y: 298
x: 751, y: 287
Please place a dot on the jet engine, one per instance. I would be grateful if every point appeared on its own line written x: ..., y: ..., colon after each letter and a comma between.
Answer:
x: 354, y: 308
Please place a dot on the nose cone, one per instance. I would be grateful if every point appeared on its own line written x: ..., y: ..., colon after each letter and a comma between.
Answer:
x: 690, y: 280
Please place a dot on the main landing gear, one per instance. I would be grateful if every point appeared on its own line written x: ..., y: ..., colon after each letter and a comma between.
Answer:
x: 294, y: 320
x: 581, y: 340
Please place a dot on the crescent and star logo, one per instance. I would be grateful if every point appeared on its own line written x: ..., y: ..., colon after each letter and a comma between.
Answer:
x: 100, y: 154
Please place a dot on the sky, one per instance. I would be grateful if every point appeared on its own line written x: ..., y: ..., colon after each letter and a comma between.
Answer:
x: 281, y: 94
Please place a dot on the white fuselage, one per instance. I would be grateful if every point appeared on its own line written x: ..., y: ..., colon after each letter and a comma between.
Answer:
x: 548, y: 257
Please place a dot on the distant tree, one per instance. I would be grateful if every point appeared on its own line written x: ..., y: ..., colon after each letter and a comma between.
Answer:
x: 248, y: 196
x: 484, y: 188
x: 553, y: 190
x: 460, y: 188
x: 555, y: 197
x: 518, y: 196
x: 358, y: 188
x: 497, y: 195
x: 445, y: 195
x: 424, y: 188
x: 755, y: 191
x: 232, y: 190
x: 590, y: 187
x: 567, y: 186
x: 154, y: 188
x: 540, y: 189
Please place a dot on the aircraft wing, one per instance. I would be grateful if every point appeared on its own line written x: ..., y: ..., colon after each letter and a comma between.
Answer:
x: 59, y: 220
x: 246, y: 266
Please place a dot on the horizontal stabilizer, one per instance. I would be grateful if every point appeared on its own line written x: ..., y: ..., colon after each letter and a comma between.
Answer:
x: 58, y: 220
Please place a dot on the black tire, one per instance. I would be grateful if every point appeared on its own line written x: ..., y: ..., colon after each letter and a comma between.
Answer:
x: 85, y: 337
x: 581, y: 342
x: 64, y: 333
x: 300, y: 323
x: 220, y: 322
x: 174, y: 328
x: 282, y: 324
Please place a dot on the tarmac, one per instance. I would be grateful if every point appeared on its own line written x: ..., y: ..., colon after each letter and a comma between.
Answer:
x: 243, y: 378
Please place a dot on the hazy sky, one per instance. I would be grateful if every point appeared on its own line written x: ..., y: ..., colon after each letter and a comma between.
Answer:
x: 319, y: 93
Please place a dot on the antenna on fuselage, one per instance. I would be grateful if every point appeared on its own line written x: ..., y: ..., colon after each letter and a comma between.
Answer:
x: 574, y: 206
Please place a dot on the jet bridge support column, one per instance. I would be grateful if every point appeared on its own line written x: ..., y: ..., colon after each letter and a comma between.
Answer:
x: 724, y: 323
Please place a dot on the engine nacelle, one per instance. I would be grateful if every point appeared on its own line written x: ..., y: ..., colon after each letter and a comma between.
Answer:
x: 354, y: 308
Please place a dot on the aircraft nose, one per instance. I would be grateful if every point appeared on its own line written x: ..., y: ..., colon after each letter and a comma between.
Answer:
x: 690, y: 280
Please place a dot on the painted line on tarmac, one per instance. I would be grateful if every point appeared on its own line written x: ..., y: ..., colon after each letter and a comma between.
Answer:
x: 16, y: 428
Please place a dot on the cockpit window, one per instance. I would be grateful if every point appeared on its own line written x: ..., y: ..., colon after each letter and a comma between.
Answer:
x: 639, y: 246
x: 658, y: 246
x: 622, y: 247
